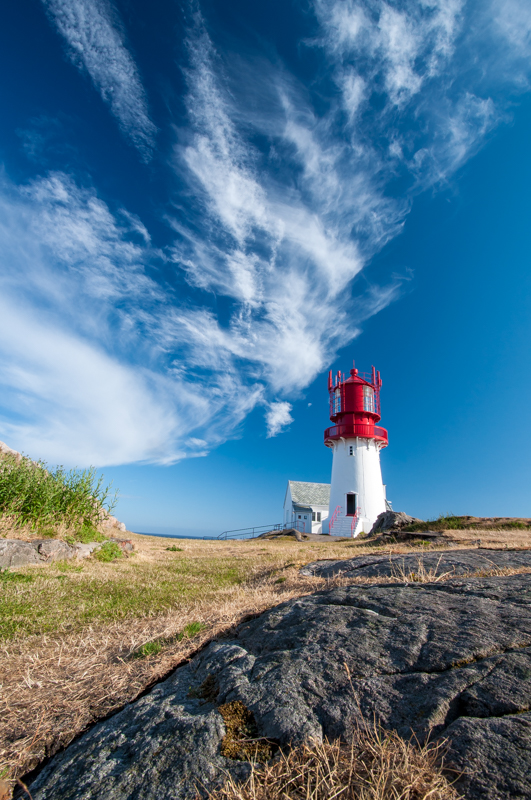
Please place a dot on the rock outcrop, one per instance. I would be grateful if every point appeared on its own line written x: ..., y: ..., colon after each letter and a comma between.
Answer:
x: 417, y: 565
x: 18, y: 553
x: 392, y: 520
x: 449, y: 659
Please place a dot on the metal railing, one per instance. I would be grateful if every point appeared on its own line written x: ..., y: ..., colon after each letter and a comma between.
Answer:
x: 333, y: 518
x: 251, y: 533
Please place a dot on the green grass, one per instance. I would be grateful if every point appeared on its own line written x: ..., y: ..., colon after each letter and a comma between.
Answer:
x: 191, y: 630
x: 148, y: 649
x: 154, y: 647
x: 36, y: 602
x: 32, y: 494
x: 14, y: 577
x: 451, y: 522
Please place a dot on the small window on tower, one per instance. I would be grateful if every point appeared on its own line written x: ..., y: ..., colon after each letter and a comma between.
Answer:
x: 337, y: 401
x: 368, y: 399
x: 351, y: 450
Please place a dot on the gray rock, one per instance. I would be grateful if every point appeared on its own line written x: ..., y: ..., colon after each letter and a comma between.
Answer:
x: 126, y: 545
x: 390, y: 520
x: 109, y: 523
x: 86, y: 550
x: 54, y: 550
x: 16, y: 553
x: 455, y: 562
x: 447, y: 659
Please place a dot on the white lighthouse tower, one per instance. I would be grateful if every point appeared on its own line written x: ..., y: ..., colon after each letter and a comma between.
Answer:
x: 357, y: 494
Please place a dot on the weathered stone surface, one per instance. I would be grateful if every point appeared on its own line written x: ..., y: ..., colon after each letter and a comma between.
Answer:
x: 124, y: 544
x: 15, y: 553
x: 455, y: 562
x: 450, y: 659
x: 8, y: 451
x: 110, y: 523
x: 86, y: 550
x: 18, y: 553
x: 54, y: 550
x: 389, y: 520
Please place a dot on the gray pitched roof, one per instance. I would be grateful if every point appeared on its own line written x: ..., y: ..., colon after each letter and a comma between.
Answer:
x: 314, y: 494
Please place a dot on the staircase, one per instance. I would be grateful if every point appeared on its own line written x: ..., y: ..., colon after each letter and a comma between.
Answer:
x: 343, y: 526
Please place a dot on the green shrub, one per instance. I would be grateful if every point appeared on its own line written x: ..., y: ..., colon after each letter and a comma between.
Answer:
x: 174, y: 549
x: 109, y: 551
x: 44, y: 499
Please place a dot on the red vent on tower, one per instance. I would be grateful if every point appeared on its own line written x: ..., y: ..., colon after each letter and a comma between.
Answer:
x: 355, y: 406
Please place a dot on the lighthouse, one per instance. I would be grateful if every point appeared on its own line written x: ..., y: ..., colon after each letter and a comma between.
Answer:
x: 357, y: 493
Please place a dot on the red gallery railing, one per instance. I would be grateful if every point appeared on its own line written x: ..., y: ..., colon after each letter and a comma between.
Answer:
x: 353, y: 429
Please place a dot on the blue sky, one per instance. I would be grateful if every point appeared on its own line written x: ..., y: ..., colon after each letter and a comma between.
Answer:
x: 206, y: 206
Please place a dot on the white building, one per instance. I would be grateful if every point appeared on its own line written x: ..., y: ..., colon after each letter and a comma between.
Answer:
x: 306, y: 506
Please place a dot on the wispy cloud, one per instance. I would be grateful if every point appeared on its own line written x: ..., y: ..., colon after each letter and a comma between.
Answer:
x: 286, y: 191
x: 278, y: 417
x: 96, y: 44
x: 88, y: 374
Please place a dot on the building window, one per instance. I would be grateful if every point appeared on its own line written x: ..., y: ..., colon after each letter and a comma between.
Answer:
x: 313, y: 516
x: 337, y: 401
x: 318, y: 516
x: 300, y: 516
x: 351, y: 450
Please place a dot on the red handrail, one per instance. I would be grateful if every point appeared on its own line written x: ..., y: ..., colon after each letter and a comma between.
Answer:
x: 333, y: 518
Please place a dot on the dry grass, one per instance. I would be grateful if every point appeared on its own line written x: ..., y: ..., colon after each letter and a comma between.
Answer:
x: 377, y: 765
x: 66, y: 659
x: 423, y: 574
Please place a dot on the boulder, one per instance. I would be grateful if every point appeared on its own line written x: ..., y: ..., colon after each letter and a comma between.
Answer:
x: 126, y: 545
x: 86, y: 550
x: 16, y: 553
x: 392, y: 520
x: 54, y: 550
x: 8, y: 451
x: 434, y: 660
x: 108, y: 522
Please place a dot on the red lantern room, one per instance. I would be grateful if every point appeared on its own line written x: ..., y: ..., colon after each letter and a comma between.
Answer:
x: 355, y: 407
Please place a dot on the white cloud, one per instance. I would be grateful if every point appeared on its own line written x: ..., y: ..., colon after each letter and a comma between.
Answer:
x: 88, y: 371
x: 106, y: 360
x: 96, y: 44
x: 277, y: 417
